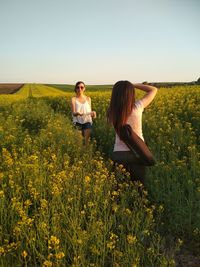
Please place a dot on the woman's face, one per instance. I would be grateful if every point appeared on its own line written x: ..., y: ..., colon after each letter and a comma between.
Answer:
x: 80, y: 88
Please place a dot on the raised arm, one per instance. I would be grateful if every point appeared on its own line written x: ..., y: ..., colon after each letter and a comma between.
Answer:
x: 150, y: 93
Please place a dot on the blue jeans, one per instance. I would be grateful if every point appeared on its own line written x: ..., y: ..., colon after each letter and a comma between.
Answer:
x: 83, y: 126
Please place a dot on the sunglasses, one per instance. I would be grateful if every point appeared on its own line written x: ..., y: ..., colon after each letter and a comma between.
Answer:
x: 80, y: 87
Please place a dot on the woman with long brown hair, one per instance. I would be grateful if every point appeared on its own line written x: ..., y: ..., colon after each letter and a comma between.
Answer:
x: 82, y: 113
x: 124, y: 109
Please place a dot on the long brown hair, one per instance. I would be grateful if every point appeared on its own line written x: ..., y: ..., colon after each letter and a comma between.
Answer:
x: 121, y: 104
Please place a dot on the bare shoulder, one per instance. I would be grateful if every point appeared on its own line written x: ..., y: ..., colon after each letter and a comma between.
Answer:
x: 73, y: 99
x: 88, y: 99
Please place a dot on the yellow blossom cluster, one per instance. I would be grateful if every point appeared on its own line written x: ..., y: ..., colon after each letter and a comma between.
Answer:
x: 63, y: 204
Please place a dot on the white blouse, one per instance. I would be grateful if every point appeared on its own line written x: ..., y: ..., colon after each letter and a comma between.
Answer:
x: 135, y: 121
x: 85, y: 109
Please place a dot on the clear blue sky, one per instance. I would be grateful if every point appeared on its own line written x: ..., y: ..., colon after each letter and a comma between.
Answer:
x: 99, y: 41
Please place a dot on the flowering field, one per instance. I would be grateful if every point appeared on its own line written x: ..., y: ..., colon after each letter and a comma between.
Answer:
x: 62, y: 204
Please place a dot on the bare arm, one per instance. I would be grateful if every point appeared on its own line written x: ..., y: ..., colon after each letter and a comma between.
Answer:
x: 150, y: 93
x: 73, y: 108
x: 93, y: 113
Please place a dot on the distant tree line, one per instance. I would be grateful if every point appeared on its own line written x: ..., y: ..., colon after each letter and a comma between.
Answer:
x: 172, y: 84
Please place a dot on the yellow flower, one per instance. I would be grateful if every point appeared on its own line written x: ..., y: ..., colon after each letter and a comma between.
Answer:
x: 161, y: 208
x: 90, y: 204
x: 16, y: 230
x: 44, y: 203
x: 131, y: 239
x: 115, y: 207
x: 87, y: 179
x: 27, y: 203
x: 115, y: 193
x: 53, y: 156
x: 146, y: 232
x: 1, y: 175
x: 196, y: 231
x: 2, y: 251
x: 24, y: 254
x: 60, y: 255
x: 79, y: 241
x: 47, y: 264
x: 53, y: 242
x: 180, y: 242
x: 7, y: 157
x: 2, y: 194
x: 110, y: 245
x: 127, y: 211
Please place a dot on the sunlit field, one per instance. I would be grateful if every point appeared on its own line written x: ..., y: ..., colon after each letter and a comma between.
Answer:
x: 64, y: 204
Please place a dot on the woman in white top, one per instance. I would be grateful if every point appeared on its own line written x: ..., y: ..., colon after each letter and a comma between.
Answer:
x: 124, y: 109
x: 82, y: 113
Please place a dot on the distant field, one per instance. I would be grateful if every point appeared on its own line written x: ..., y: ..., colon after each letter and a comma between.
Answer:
x: 70, y: 88
x: 10, y: 88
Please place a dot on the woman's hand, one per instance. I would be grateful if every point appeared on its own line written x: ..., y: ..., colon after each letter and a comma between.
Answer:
x: 150, y: 93
x: 77, y: 114
x: 93, y: 114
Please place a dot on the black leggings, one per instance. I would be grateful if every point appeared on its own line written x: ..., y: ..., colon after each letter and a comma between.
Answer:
x: 131, y: 163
